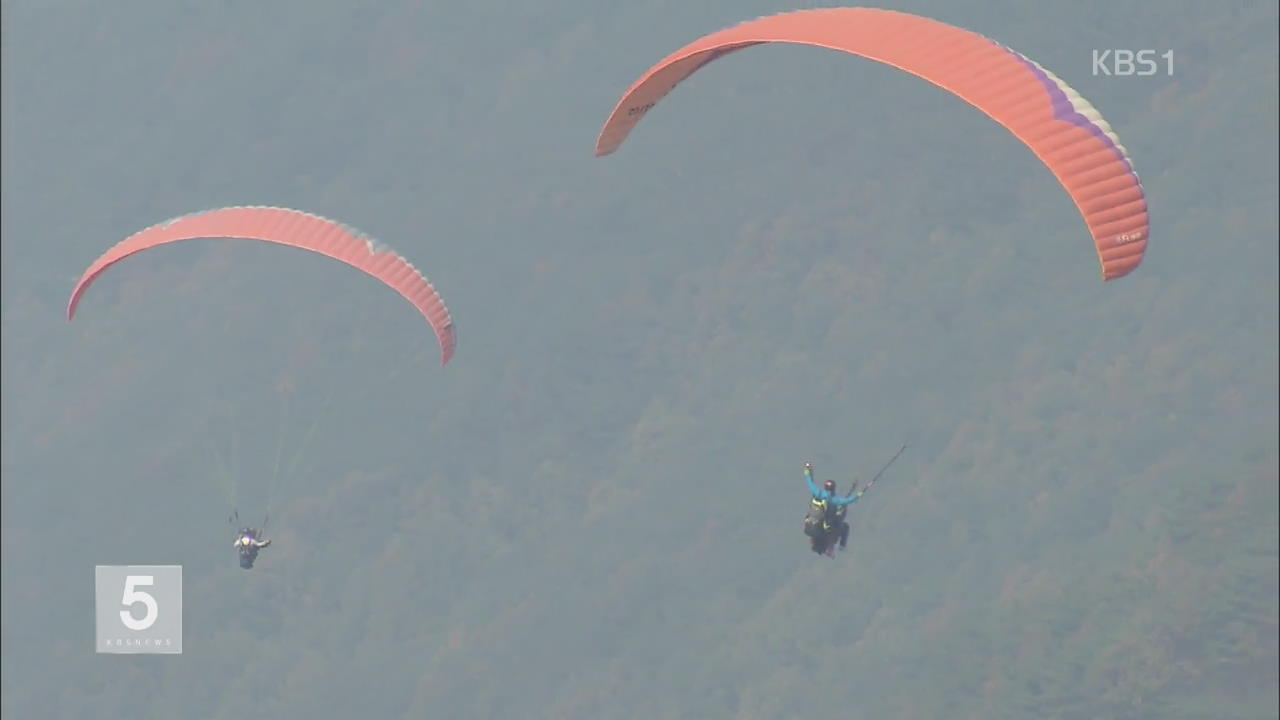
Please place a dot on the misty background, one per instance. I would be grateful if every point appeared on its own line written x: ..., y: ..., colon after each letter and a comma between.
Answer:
x: 595, y: 510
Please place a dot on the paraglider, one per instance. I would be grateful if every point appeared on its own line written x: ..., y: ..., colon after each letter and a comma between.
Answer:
x: 297, y: 229
x: 1062, y: 128
x: 249, y: 540
x: 825, y: 524
x: 248, y: 543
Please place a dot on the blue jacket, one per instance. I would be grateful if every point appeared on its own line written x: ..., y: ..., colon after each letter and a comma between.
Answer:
x: 823, y: 495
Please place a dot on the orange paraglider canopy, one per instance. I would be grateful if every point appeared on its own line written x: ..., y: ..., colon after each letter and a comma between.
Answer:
x: 1059, y: 125
x: 294, y: 229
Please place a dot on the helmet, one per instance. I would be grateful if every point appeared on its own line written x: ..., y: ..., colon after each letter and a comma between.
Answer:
x: 829, y: 486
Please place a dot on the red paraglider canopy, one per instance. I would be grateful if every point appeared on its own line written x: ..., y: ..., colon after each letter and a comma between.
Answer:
x: 294, y: 229
x: 1062, y: 128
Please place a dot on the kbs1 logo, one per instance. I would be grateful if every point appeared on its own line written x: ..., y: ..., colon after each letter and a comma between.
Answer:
x: 138, y: 608
x: 1123, y: 63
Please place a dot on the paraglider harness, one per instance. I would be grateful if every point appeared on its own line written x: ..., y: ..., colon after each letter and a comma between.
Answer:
x: 248, y: 541
x: 824, y: 522
x: 824, y: 518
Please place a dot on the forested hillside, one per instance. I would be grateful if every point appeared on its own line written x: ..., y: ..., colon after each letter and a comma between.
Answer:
x: 594, y: 511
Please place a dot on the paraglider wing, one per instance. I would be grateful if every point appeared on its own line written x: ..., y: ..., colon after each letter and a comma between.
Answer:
x: 1059, y: 125
x: 294, y: 229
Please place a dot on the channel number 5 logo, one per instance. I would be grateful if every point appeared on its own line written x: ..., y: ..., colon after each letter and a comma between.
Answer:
x: 133, y: 596
x: 139, y: 608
